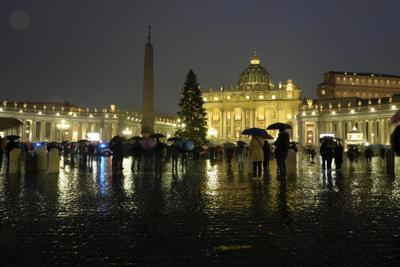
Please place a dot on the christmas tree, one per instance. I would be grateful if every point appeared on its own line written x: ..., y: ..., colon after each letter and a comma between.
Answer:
x: 192, y: 115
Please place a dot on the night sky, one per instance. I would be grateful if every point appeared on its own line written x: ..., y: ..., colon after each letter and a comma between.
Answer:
x: 91, y: 52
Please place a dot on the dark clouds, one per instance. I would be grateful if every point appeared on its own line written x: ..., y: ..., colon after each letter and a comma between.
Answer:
x: 91, y: 52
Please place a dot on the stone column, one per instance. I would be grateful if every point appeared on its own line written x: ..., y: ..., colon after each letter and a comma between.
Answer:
x: 42, y: 130
x: 252, y: 118
x: 220, y: 130
x: 223, y: 124
x: 52, y: 131
x: 243, y: 119
x: 33, y: 131
x: 340, y: 130
x: 232, y: 124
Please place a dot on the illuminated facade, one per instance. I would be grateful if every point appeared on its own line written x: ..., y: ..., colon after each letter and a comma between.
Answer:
x: 253, y: 102
x: 356, y: 107
x: 355, y: 120
x: 63, y: 121
x: 361, y: 85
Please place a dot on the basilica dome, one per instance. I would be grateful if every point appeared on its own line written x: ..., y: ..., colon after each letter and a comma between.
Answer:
x: 255, y: 76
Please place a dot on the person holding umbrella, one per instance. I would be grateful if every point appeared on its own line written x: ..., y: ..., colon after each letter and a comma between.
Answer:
x: 256, y: 155
x: 281, y: 145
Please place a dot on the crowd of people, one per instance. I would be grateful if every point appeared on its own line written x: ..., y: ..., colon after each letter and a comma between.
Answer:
x: 259, y: 152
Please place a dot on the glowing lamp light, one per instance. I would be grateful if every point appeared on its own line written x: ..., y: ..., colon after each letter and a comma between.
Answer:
x: 352, y: 111
x: 393, y: 107
x: 372, y: 109
x: 102, y: 145
x: 38, y: 144
x: 127, y: 131
x: 303, y: 113
x: 212, y: 132
x: 313, y: 113
x: 333, y: 112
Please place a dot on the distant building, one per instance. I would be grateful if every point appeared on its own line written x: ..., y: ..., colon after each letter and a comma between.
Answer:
x: 362, y: 85
x: 253, y: 102
x: 64, y: 121
x: 355, y: 120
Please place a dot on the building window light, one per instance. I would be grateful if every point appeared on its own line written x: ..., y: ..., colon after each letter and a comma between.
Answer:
x: 20, y: 111
x: 393, y: 107
x: 215, y: 98
x: 323, y: 92
x: 1, y: 109
x: 352, y: 111
x: 57, y: 114
x: 228, y: 97
x: 273, y: 97
x: 40, y: 113
x: 303, y: 113
x: 333, y: 112
x: 205, y: 99
x: 261, y: 97
x: 313, y: 113
x: 372, y: 109
x: 247, y: 97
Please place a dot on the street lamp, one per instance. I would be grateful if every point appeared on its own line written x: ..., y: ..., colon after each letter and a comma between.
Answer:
x: 127, y: 132
x: 62, y: 127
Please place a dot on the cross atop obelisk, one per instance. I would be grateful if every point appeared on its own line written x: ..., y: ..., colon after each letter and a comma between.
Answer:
x: 148, y: 94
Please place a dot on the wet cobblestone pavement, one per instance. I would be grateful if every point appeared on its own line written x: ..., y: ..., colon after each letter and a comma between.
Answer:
x: 209, y: 215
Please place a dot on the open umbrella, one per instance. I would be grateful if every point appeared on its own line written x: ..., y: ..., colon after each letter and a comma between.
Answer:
x: 157, y: 135
x: 186, y: 145
x: 254, y: 131
x: 136, y: 138
x: 148, y: 143
x: 12, y: 137
x: 174, y: 139
x: 9, y: 123
x: 279, y: 126
x: 267, y: 136
x: 241, y: 143
x: 83, y: 141
x: 229, y: 145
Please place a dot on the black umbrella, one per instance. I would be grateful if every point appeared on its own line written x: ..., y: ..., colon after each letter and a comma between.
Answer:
x: 12, y: 137
x: 136, y: 138
x: 279, y: 126
x: 157, y: 135
x: 84, y: 141
x: 174, y: 139
x: 116, y: 139
x: 255, y: 131
x: 52, y: 145
x: 241, y: 143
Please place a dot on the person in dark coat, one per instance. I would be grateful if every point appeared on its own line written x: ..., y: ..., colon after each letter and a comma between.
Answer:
x: 90, y: 152
x: 174, y: 149
x: 368, y: 153
x: 281, y: 151
x: 158, y: 155
x: 117, y: 157
x: 327, y: 151
x: 267, y: 156
x: 338, y: 155
x: 1, y: 152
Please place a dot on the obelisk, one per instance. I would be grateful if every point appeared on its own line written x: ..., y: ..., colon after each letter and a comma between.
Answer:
x: 148, y: 99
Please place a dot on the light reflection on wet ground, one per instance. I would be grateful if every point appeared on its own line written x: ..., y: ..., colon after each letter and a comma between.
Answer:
x: 96, y: 216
